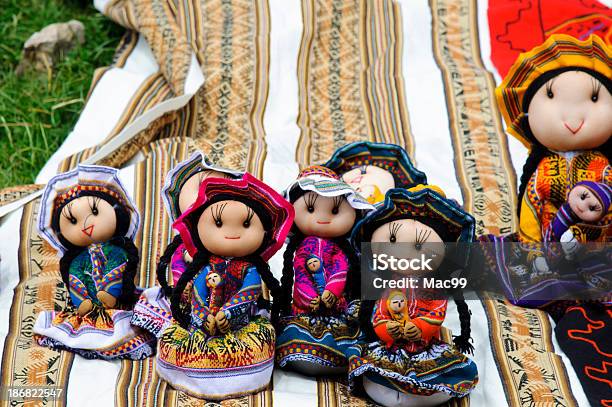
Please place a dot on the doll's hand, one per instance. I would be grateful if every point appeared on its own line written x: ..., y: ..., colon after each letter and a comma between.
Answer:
x: 411, y: 332
x: 85, y: 307
x: 395, y: 329
x: 210, y: 325
x: 222, y: 322
x: 315, y: 303
x: 186, y: 257
x: 106, y: 299
x: 328, y: 298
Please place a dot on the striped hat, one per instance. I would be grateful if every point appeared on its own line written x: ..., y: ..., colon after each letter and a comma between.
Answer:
x: 390, y: 157
x: 70, y: 185
x: 177, y: 177
x: 558, y: 53
x: 326, y: 182
x: 424, y: 203
x: 265, y: 201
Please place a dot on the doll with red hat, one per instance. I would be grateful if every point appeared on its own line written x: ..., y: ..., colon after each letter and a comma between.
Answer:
x: 220, y: 344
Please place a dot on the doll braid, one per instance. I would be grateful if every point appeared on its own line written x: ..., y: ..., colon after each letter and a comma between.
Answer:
x: 65, y: 262
x: 263, y: 268
x: 162, y: 266
x: 128, y: 289
x: 462, y: 341
x: 183, y: 315
x: 287, y: 279
x: 536, y: 155
x: 353, y: 287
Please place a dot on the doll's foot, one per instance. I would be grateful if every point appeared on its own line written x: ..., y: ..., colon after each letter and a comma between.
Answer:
x: 222, y: 322
x: 85, y: 307
x: 107, y: 300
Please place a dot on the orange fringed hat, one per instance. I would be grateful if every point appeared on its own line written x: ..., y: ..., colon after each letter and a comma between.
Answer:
x: 557, y: 52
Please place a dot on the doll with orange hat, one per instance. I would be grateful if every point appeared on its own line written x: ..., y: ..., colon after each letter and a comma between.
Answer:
x: 220, y: 343
x: 556, y: 99
x: 403, y: 359
x: 320, y: 280
x: 87, y: 215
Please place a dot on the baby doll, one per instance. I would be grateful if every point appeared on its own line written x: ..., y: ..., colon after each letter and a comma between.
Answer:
x: 152, y: 311
x: 317, y: 307
x: 374, y: 168
x: 403, y: 360
x: 88, y: 217
x: 218, y: 346
x: 557, y: 100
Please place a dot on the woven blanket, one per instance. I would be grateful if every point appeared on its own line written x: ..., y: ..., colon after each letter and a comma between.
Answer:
x: 272, y: 86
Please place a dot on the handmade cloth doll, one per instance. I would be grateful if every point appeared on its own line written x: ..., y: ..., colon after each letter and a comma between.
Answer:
x: 374, y: 168
x: 152, y: 311
x: 88, y: 217
x: 556, y: 99
x: 218, y: 345
x: 403, y: 360
x: 320, y: 281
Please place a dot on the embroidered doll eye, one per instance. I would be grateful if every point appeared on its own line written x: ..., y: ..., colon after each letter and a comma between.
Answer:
x: 421, y: 237
x: 310, y: 199
x: 549, y: 91
x: 337, y: 202
x: 393, y: 228
x: 596, y: 88
x: 247, y: 221
x: 363, y: 169
x: 217, y: 211
x: 584, y: 196
x: 93, y: 205
x: 67, y: 212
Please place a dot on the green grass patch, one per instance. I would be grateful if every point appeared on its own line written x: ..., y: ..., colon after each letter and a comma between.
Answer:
x: 38, y: 110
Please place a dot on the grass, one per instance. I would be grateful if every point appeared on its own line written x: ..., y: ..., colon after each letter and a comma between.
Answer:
x: 38, y: 110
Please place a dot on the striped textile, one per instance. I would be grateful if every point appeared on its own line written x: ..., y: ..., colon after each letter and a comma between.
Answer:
x: 271, y: 86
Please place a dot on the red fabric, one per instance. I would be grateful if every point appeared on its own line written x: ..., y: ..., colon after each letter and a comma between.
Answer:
x: 518, y: 26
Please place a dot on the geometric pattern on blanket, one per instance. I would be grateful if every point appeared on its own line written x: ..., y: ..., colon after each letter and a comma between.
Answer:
x: 482, y: 160
x: 13, y: 194
x: 530, y: 370
x: 24, y: 362
x: 350, y: 78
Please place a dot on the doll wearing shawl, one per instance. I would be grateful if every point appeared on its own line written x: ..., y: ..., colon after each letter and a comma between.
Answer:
x: 152, y: 311
x: 403, y: 360
x: 219, y: 344
x: 320, y: 298
x: 88, y: 217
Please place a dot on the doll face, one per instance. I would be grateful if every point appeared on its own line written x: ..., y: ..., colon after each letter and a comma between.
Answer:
x: 87, y: 220
x: 230, y: 229
x: 213, y: 279
x: 585, y: 204
x: 317, y: 215
x: 370, y: 181
x: 571, y: 112
x: 417, y: 239
x: 189, y: 191
x: 397, y: 302
x: 313, y: 264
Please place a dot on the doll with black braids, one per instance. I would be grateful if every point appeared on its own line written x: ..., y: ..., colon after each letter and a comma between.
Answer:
x: 557, y: 100
x: 320, y: 281
x: 87, y: 215
x: 180, y: 190
x: 402, y: 327
x: 220, y: 343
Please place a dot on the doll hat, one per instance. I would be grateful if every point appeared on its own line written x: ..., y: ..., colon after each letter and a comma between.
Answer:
x: 249, y: 190
x: 70, y: 185
x: 178, y: 175
x: 558, y: 52
x: 422, y: 201
x: 390, y: 157
x: 326, y: 182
